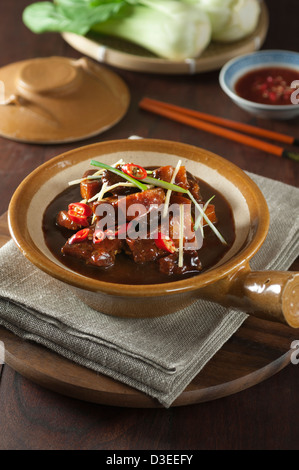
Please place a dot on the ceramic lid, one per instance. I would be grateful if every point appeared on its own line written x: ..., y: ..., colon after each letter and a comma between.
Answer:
x: 57, y: 99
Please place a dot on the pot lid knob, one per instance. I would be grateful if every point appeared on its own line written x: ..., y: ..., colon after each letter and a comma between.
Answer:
x: 47, y: 75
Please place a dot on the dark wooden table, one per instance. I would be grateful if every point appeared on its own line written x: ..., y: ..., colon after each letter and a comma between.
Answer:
x: 265, y: 416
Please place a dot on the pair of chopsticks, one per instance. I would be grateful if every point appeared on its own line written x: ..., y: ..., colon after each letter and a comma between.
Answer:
x: 211, y: 124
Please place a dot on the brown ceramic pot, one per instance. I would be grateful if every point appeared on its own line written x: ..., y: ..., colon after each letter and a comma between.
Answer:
x: 271, y: 295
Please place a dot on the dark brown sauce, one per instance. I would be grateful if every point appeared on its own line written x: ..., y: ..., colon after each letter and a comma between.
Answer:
x: 125, y: 270
x: 268, y: 85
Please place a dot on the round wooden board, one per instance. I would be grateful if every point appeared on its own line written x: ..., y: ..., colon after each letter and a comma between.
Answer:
x: 258, y: 350
x: 128, y: 56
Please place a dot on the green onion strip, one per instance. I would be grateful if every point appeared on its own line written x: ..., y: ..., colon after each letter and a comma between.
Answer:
x: 199, y: 220
x: 164, y: 184
x: 204, y: 216
x: 137, y: 183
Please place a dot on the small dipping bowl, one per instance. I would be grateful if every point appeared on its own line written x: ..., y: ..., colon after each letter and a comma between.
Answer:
x: 240, y: 66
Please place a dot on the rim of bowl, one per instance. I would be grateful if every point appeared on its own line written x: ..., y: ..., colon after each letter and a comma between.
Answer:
x: 17, y: 226
x: 235, y: 97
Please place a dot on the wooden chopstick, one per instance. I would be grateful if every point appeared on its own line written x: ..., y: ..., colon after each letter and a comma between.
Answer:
x: 239, y: 126
x: 190, y: 118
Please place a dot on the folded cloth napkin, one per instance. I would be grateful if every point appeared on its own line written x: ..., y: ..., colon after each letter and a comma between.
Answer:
x: 158, y: 356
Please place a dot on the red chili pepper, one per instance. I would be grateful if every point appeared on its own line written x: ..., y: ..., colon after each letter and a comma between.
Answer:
x: 164, y: 242
x: 79, y: 213
x: 135, y: 171
x: 98, y: 236
x: 274, y: 89
x: 79, y: 236
x: 273, y: 96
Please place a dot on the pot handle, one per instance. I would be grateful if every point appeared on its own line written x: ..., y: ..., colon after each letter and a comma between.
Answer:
x: 272, y: 295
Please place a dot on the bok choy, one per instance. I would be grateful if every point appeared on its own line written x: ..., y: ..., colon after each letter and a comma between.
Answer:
x: 231, y: 20
x: 171, y: 29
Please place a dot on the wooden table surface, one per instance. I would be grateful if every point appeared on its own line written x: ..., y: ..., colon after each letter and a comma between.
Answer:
x: 265, y: 416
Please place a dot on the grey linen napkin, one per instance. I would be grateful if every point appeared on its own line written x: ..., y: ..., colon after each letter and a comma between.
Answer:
x: 158, y: 356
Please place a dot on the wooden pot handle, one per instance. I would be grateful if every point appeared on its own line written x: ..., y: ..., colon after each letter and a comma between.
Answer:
x: 272, y: 295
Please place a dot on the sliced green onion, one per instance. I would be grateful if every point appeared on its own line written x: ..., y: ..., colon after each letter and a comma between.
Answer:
x: 99, y: 173
x: 137, y: 183
x: 217, y: 233
x: 199, y: 220
x: 164, y: 184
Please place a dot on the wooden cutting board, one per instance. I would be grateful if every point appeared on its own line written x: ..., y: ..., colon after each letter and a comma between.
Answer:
x: 258, y: 350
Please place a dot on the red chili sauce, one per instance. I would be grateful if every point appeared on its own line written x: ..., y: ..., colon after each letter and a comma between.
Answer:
x: 269, y: 85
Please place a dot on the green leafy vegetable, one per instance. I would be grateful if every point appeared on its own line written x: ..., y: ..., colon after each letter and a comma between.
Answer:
x: 171, y: 29
x: 77, y: 16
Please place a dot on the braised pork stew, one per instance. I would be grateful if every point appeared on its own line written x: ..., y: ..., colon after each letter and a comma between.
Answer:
x: 135, y: 261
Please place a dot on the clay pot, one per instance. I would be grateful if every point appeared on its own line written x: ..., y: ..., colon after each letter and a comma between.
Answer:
x: 271, y: 295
